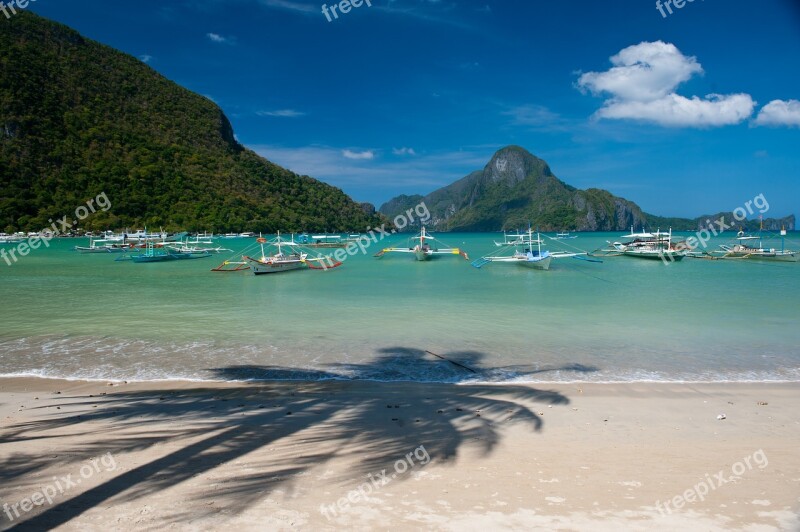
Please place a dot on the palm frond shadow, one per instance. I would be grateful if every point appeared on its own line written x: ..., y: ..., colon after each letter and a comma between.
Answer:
x: 369, y: 423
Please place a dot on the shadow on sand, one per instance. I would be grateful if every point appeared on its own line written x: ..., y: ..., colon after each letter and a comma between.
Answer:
x: 370, y: 423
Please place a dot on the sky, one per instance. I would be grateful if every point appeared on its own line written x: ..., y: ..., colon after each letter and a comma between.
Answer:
x: 689, y: 108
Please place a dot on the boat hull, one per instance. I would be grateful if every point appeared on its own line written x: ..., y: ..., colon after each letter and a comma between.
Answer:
x: 537, y: 264
x: 655, y: 255
x: 263, y: 268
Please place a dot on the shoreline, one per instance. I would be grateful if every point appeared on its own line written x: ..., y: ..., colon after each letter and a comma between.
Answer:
x: 290, y: 454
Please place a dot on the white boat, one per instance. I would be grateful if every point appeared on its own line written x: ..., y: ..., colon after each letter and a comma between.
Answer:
x: 743, y: 249
x: 510, y: 239
x: 103, y: 245
x: 424, y: 247
x: 285, y: 256
x: 564, y: 235
x: 527, y: 252
x: 651, y: 246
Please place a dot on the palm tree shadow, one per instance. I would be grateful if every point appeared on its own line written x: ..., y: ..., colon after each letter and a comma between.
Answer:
x: 367, y: 423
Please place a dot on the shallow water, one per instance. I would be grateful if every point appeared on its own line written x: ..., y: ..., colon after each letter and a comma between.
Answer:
x: 86, y: 316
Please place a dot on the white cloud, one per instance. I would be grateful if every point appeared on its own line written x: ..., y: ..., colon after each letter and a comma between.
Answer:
x: 283, y: 113
x: 144, y: 58
x: 780, y: 113
x: 403, y: 151
x: 678, y: 111
x: 642, y: 86
x: 216, y: 37
x: 359, y: 155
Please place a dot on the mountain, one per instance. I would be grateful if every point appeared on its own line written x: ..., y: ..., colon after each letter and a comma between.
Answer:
x: 514, y: 189
x: 78, y: 118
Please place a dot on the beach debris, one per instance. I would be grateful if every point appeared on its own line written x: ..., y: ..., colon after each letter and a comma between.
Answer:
x: 541, y: 413
x: 549, y: 406
x: 730, y: 402
x: 451, y: 361
x: 722, y: 416
x: 760, y: 403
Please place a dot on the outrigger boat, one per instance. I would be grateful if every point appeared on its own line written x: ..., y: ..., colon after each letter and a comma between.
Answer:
x: 528, y: 252
x: 564, y: 235
x: 285, y: 256
x: 424, y: 248
x: 103, y: 245
x: 742, y: 250
x: 510, y: 239
x: 652, y: 246
x: 321, y: 241
x: 165, y: 255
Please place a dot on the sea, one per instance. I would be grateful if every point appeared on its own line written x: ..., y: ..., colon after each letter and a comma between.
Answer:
x: 72, y: 316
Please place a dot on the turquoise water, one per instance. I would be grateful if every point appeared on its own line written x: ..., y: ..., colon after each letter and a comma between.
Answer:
x: 86, y: 316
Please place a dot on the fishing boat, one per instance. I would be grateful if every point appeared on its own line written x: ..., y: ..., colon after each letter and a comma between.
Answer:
x: 103, y: 245
x: 510, y: 239
x: 424, y: 247
x: 279, y: 255
x: 564, y: 235
x: 321, y: 241
x: 651, y: 246
x: 744, y: 248
x: 164, y: 255
x: 527, y: 251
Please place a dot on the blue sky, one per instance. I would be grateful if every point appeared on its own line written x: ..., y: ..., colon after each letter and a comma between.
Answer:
x: 405, y: 96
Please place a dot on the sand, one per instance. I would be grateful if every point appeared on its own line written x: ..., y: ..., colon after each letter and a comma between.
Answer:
x: 378, y: 456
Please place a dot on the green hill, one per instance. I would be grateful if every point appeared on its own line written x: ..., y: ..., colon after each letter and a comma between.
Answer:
x: 78, y: 118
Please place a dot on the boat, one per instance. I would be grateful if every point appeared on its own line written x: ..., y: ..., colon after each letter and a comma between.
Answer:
x: 424, y: 248
x: 527, y: 252
x: 322, y: 241
x: 743, y: 249
x: 510, y: 239
x: 165, y: 255
x: 280, y: 255
x: 650, y: 246
x: 564, y: 235
x: 103, y: 245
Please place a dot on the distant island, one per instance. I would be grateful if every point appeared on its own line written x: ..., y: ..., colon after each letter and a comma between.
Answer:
x: 516, y: 188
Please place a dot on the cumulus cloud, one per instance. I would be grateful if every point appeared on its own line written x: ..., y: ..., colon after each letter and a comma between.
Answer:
x: 780, y: 113
x: 403, y: 151
x: 359, y: 155
x: 642, y: 84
